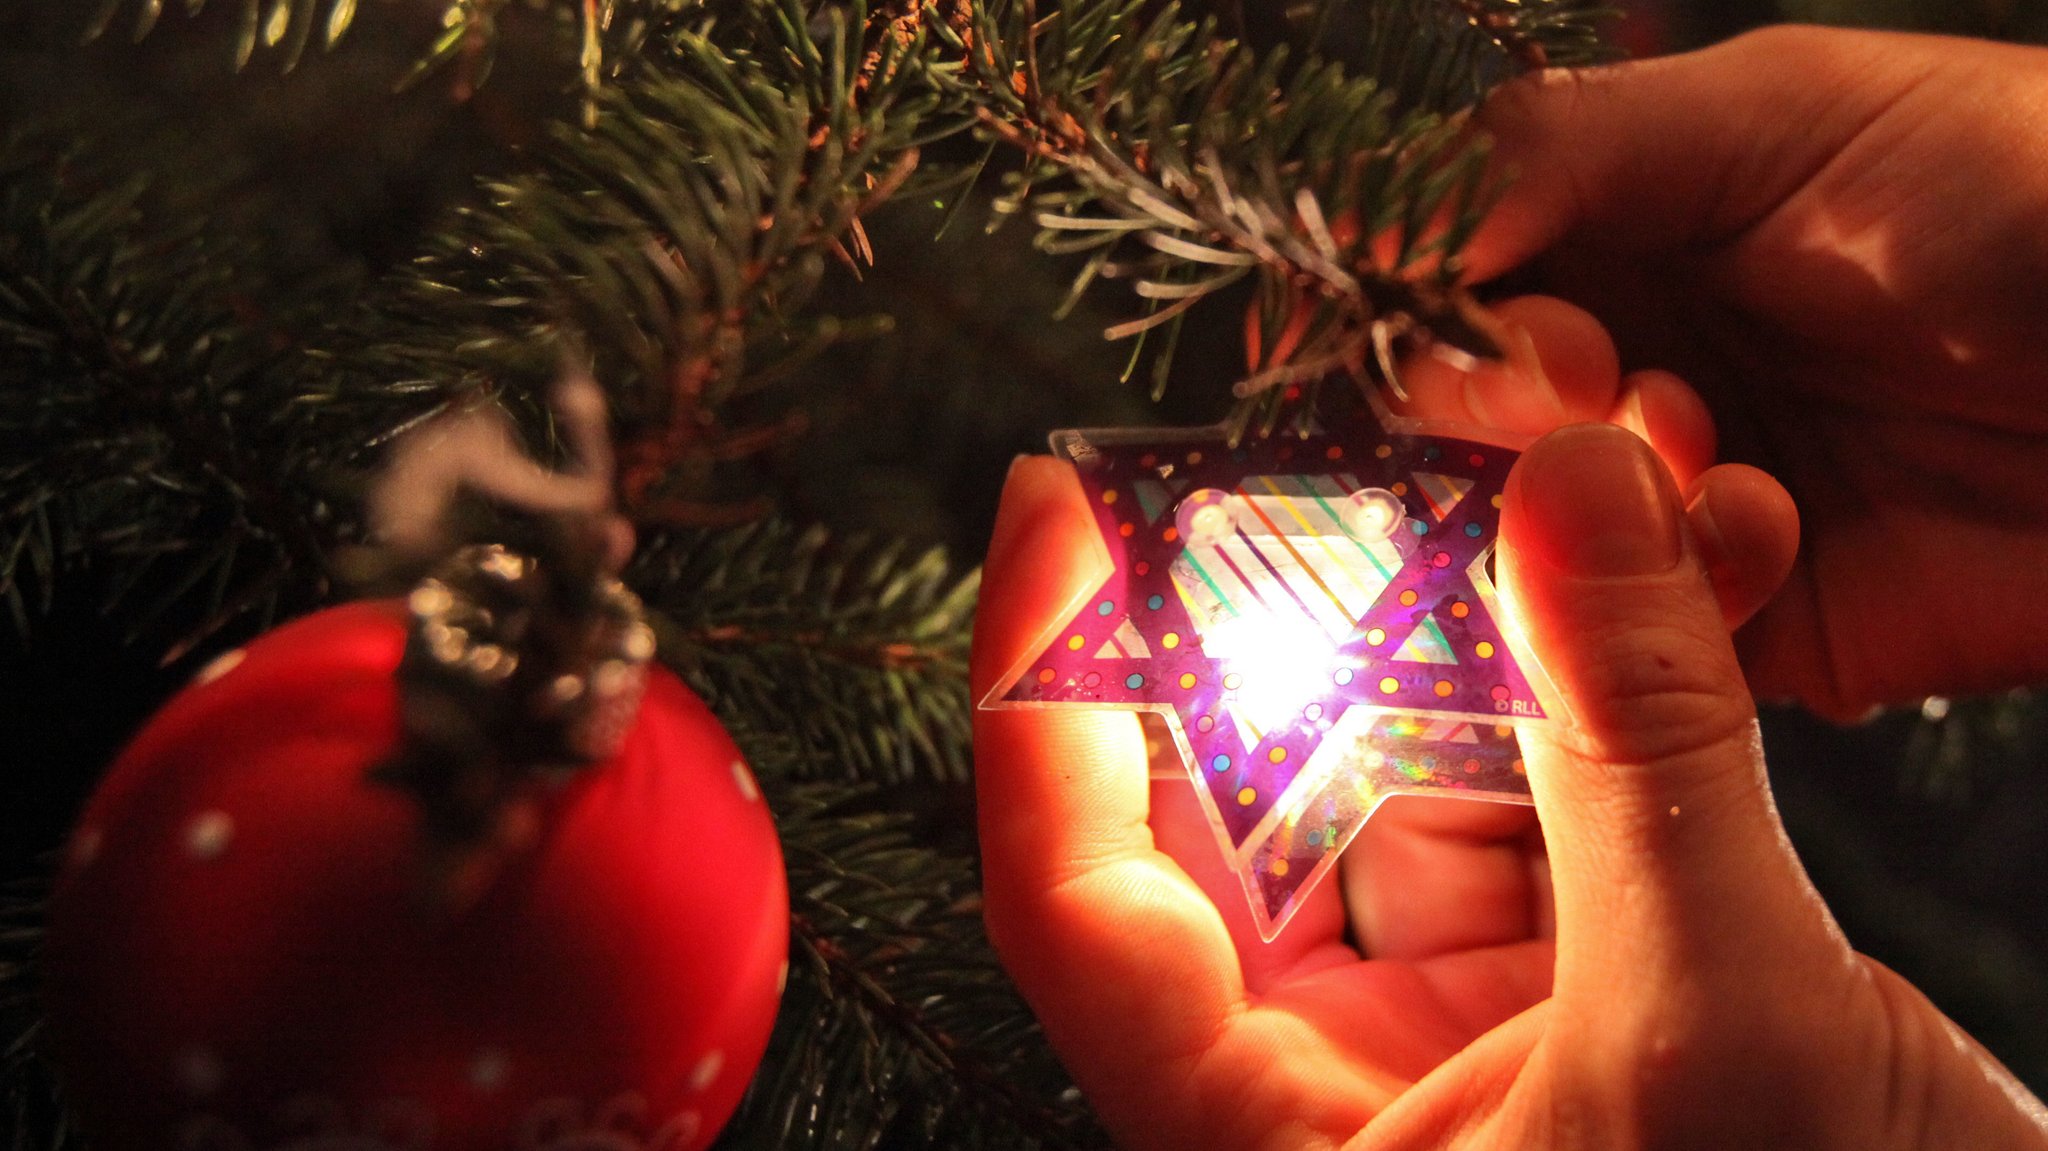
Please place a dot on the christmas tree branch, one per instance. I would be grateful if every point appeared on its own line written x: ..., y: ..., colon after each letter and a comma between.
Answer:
x: 1185, y: 163
x: 903, y: 997
x: 1179, y: 161
x: 856, y: 649
x: 680, y: 237
x: 133, y: 396
x: 283, y: 26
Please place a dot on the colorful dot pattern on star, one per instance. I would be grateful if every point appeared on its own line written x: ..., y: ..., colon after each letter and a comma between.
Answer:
x: 1312, y: 615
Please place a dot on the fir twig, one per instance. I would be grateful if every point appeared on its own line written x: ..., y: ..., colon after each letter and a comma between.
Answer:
x: 681, y: 237
x: 856, y: 649
x: 1186, y: 162
x: 281, y: 26
x: 898, y: 1028
x: 138, y: 409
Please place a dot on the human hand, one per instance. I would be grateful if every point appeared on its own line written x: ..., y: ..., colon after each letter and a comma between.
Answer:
x: 1837, y: 237
x: 1701, y: 996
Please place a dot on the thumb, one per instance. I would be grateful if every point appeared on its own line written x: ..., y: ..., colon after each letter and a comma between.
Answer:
x: 1666, y: 853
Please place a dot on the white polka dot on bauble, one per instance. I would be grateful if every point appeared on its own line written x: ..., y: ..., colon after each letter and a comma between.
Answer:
x: 221, y: 665
x: 488, y: 1070
x: 706, y: 1070
x: 208, y: 835
x: 679, y: 1130
x: 199, y: 1071
x: 782, y: 978
x: 745, y: 779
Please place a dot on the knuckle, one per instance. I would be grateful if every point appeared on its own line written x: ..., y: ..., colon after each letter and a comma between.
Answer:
x: 1907, y: 1108
x: 1512, y: 102
x: 1662, y: 692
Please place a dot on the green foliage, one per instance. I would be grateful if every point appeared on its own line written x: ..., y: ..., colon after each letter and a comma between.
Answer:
x: 856, y: 650
x: 281, y: 26
x: 679, y: 235
x: 1185, y: 162
x: 897, y: 1030
x: 140, y: 421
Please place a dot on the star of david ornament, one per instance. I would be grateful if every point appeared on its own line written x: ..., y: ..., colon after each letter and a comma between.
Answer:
x: 1311, y: 616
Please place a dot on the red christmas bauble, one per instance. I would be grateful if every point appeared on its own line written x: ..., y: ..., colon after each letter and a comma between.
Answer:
x: 238, y: 956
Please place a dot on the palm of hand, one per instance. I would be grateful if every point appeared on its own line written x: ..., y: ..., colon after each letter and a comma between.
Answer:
x: 1318, y: 1052
x: 1305, y: 1027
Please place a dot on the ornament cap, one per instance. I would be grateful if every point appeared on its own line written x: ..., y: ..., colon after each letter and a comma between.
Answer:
x: 478, y: 619
x: 518, y: 669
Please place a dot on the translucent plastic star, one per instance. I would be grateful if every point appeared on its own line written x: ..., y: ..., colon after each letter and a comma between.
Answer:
x: 1312, y: 617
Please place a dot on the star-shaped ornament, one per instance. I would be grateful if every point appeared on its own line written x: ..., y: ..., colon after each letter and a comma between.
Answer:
x: 1311, y: 616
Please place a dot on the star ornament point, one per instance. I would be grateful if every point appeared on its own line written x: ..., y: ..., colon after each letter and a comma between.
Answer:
x: 1313, y: 619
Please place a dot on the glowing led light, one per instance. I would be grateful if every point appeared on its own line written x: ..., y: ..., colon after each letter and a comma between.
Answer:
x: 1277, y: 661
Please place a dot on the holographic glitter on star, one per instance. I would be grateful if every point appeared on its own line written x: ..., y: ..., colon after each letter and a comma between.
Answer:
x: 1312, y: 616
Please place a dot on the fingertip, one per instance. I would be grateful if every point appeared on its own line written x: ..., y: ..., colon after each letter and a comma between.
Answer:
x: 1043, y: 547
x: 1559, y: 366
x: 1574, y: 351
x: 1665, y: 411
x: 1746, y: 528
x: 1034, y: 487
x: 1595, y: 569
x: 1593, y: 502
x: 1034, y: 479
